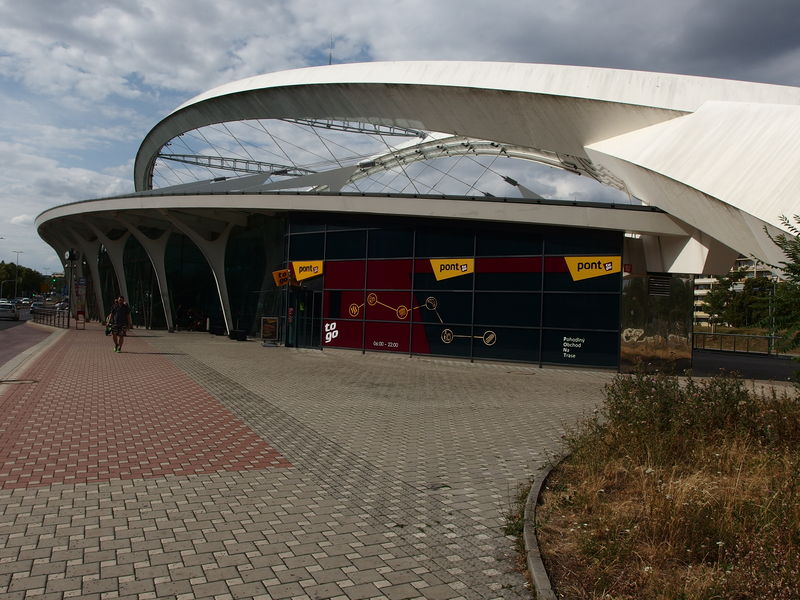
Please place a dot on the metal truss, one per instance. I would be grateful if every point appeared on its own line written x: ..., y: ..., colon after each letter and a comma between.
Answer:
x: 239, y: 165
x: 357, y: 127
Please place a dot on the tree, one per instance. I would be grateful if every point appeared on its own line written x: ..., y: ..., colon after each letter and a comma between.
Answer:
x: 786, y: 312
x: 29, y: 281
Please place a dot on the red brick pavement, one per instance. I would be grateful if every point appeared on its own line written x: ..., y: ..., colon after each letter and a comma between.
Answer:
x: 94, y: 415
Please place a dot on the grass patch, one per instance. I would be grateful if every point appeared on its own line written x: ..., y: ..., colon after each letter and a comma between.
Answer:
x: 678, y: 489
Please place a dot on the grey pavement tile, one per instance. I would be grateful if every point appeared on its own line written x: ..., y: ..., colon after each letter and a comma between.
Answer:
x: 401, y: 470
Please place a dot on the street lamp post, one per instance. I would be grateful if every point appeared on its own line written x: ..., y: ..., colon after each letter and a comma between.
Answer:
x: 16, y: 271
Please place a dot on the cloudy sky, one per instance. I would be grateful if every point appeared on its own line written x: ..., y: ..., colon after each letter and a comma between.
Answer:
x: 82, y: 81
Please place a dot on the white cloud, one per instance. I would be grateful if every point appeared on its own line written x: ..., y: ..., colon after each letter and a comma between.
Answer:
x: 21, y: 220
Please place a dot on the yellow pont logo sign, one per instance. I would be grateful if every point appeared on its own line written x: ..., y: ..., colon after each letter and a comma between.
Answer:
x: 445, y: 268
x: 586, y: 267
x: 306, y: 269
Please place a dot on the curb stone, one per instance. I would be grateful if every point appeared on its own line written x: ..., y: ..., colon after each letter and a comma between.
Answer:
x: 541, y: 581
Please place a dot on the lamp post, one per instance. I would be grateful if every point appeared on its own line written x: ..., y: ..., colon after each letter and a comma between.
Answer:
x: 16, y: 271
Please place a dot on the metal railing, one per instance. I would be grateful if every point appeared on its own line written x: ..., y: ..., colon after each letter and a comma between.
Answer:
x: 736, y: 342
x: 52, y: 317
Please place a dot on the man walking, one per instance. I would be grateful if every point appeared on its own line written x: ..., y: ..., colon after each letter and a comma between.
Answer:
x: 120, y: 320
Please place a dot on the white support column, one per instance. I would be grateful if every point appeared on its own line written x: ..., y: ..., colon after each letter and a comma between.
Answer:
x: 156, y: 250
x: 214, y: 253
x: 116, y: 252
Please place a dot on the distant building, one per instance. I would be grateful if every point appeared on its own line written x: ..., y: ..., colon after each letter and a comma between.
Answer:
x: 704, y: 283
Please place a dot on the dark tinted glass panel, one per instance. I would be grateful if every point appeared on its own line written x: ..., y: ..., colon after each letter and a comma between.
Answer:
x: 508, y: 243
x: 580, y: 348
x: 442, y: 307
x: 508, y: 273
x: 425, y: 279
x: 443, y: 340
x: 444, y: 243
x: 345, y: 274
x: 389, y: 337
x: 303, y: 225
x: 581, y: 311
x: 582, y: 241
x: 309, y: 246
x: 506, y: 344
x: 345, y: 304
x: 341, y: 334
x: 346, y: 244
x: 388, y: 306
x: 493, y: 308
x: 389, y: 274
x: 391, y: 243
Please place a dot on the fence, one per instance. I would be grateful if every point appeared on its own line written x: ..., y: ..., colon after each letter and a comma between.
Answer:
x: 51, y: 316
x: 736, y: 342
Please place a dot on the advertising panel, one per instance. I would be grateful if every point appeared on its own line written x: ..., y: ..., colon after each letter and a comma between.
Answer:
x: 305, y: 269
x: 586, y: 267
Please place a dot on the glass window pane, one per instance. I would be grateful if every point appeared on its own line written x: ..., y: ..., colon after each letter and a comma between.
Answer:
x: 442, y: 307
x: 508, y: 243
x: 424, y: 278
x: 347, y: 304
x: 344, y: 274
x: 389, y: 274
x: 441, y: 340
x: 508, y: 274
x: 387, y: 337
x: 388, y: 306
x: 558, y: 277
x: 593, y: 348
x: 391, y: 243
x: 346, y: 244
x: 519, y: 309
x: 341, y: 334
x: 308, y: 246
x: 444, y: 243
x: 500, y: 343
x: 581, y: 311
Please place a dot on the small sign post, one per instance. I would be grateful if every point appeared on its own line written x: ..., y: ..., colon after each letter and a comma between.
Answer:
x: 269, y: 331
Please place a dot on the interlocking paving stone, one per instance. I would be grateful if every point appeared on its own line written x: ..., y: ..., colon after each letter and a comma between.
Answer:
x: 380, y: 474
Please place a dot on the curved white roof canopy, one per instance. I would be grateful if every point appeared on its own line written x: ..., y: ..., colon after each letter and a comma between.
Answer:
x: 721, y: 156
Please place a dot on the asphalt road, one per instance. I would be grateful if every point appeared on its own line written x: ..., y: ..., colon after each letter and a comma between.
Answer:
x: 16, y: 337
x: 749, y: 366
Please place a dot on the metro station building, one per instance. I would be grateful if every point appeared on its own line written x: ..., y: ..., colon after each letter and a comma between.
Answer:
x: 399, y: 207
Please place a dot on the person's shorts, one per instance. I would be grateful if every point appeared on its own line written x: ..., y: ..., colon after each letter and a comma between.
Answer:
x: 119, y: 330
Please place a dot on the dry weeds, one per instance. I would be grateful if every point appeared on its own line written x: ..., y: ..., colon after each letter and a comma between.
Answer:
x: 678, y: 491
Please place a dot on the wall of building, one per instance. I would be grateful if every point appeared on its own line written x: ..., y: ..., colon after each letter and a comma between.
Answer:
x: 533, y: 294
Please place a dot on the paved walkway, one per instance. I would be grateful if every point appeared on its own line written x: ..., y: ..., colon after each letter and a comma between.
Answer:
x: 193, y: 466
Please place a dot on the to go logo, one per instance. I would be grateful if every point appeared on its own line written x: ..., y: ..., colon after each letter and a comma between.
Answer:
x: 331, y: 333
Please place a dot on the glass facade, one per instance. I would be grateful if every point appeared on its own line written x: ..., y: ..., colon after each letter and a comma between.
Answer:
x: 534, y: 293
x: 252, y: 254
x: 144, y: 298
x: 193, y: 292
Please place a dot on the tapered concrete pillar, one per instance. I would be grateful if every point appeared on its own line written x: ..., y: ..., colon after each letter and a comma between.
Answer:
x: 214, y: 252
x: 116, y: 252
x: 156, y: 251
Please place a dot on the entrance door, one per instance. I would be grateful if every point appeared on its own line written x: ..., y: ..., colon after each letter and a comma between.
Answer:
x: 305, y: 322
